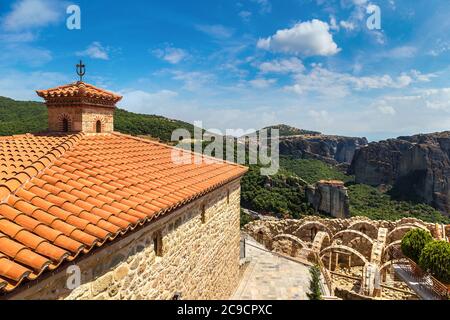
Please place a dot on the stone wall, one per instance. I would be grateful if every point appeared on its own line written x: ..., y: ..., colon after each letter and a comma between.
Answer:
x: 200, y: 258
x: 80, y: 118
x: 56, y: 114
x: 91, y: 115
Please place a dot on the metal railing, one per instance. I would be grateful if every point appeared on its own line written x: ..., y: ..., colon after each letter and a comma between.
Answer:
x: 426, y: 281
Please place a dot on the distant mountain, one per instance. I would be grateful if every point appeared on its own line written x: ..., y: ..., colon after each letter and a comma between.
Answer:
x: 286, y: 130
x: 18, y: 117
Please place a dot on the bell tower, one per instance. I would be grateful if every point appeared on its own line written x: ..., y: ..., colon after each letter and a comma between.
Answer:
x: 80, y: 107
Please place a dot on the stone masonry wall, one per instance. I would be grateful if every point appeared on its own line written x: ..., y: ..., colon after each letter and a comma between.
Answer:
x: 81, y: 118
x: 200, y: 258
x: 57, y: 114
x: 93, y: 114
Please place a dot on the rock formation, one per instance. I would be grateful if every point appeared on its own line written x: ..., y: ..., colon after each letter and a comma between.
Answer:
x: 417, y: 167
x: 330, y: 197
x: 331, y: 149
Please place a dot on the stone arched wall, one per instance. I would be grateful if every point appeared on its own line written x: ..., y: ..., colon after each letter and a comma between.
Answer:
x: 288, y: 244
x: 309, y: 230
x: 369, y: 227
x: 357, y: 257
x: 399, y: 232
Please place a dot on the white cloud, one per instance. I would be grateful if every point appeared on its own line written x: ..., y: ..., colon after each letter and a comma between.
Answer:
x: 216, y: 31
x: 171, y: 54
x: 292, y: 65
x: 320, y: 116
x: 95, y: 51
x: 245, y: 15
x: 147, y: 102
x: 334, y: 84
x: 23, y: 86
x: 402, y: 52
x: 265, y: 6
x: 28, y: 14
x: 193, y: 80
x: 311, y: 38
x: 387, y: 110
x: 22, y: 53
x: 439, y: 48
x: 262, y: 83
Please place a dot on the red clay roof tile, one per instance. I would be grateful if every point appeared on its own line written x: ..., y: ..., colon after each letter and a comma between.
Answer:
x: 65, y: 194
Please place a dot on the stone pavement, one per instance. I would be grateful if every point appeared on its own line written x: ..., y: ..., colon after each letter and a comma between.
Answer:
x: 270, y: 277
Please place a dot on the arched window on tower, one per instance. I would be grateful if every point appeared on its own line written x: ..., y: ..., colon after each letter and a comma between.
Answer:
x: 65, y: 125
x: 98, y: 126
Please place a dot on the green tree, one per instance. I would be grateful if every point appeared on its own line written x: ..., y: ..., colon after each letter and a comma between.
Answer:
x: 314, y: 284
x: 413, y: 243
x: 435, y: 258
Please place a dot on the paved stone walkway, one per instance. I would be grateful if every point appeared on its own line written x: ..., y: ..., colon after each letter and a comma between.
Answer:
x: 270, y: 277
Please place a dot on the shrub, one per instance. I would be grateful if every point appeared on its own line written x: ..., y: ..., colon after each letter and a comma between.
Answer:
x: 413, y: 243
x: 435, y: 258
x: 314, y: 285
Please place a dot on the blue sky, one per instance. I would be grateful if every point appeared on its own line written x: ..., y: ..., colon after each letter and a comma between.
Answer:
x: 313, y: 64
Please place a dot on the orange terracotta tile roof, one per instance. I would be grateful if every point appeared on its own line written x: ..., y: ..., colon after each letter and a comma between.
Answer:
x: 79, y: 89
x: 62, y: 196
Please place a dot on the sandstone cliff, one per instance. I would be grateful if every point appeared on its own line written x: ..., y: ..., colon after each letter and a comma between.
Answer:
x: 330, y: 197
x: 331, y: 149
x: 416, y: 166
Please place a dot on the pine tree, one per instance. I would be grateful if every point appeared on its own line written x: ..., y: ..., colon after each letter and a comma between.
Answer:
x: 314, y: 285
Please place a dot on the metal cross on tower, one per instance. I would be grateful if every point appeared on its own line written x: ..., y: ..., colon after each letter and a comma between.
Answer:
x: 81, y: 70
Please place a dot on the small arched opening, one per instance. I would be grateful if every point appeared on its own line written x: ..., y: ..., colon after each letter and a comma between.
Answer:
x: 98, y: 126
x: 65, y: 125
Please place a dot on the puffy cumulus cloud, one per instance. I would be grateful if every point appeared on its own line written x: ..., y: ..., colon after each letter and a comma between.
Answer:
x: 95, y: 51
x: 171, y: 54
x: 291, y: 65
x: 28, y: 14
x: 335, y: 84
x: 310, y: 38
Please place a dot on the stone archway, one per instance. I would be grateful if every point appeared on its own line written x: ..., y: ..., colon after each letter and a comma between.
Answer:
x: 288, y: 244
x: 321, y: 240
x: 309, y: 230
x: 399, y: 232
x: 330, y: 250
x: 388, y: 253
x: 366, y: 227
